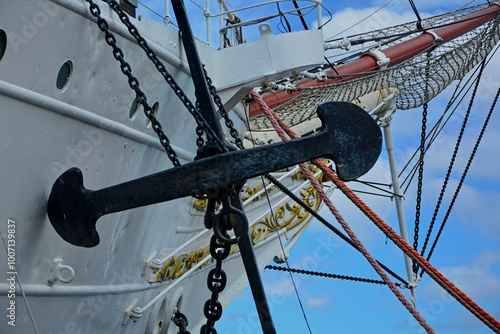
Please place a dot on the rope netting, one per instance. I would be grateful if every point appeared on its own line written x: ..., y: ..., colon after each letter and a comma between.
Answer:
x: 448, y: 62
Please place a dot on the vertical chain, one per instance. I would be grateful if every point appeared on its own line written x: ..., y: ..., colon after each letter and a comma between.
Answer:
x: 459, y: 140
x: 420, y: 181
x: 421, y: 162
x: 222, y: 110
x: 216, y: 281
x: 133, y: 82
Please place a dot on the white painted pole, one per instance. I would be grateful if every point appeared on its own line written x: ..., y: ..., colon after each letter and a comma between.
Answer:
x: 209, y: 27
x: 167, y: 17
x: 398, y: 199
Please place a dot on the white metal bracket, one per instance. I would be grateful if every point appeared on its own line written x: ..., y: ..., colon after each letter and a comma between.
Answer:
x: 382, y: 59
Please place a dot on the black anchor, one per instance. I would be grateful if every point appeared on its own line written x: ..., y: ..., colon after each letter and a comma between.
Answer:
x: 348, y: 136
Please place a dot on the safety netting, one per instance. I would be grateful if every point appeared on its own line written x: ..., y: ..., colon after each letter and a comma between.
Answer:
x: 418, y: 79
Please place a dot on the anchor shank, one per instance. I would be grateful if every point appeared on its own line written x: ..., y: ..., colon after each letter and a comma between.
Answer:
x: 348, y: 136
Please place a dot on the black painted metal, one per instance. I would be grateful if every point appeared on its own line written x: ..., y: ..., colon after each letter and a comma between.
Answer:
x: 250, y: 263
x: 195, y: 66
x: 349, y: 136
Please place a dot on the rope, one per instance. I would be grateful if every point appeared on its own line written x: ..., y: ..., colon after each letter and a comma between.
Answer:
x: 340, y: 219
x: 273, y: 217
x: 322, y: 220
x: 439, y: 278
x: 438, y: 127
x: 286, y: 261
x: 413, y: 254
x: 355, y: 24
x: 419, y: 20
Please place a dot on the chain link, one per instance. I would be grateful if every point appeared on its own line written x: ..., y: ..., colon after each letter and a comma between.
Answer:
x: 320, y: 274
x: 216, y: 282
x: 420, y: 181
x: 133, y: 82
x: 448, y: 173
x: 421, y: 166
x: 220, y: 248
x: 222, y: 110
x: 181, y: 321
x: 193, y: 110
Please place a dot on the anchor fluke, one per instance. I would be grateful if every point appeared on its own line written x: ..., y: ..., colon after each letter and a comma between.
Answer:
x: 358, y: 139
x: 70, y: 211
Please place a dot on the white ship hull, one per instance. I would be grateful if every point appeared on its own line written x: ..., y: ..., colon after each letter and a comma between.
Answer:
x: 87, y: 123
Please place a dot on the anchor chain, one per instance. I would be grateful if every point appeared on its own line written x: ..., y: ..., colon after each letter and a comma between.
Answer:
x: 193, y: 110
x: 222, y: 110
x: 220, y: 247
x: 133, y: 82
x: 181, y: 321
x: 216, y: 282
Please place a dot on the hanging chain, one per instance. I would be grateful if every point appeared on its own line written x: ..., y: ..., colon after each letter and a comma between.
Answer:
x: 421, y: 163
x: 218, y: 102
x: 200, y: 141
x: 133, y: 82
x: 321, y: 274
x: 452, y: 162
x: 193, y: 110
x: 220, y: 247
x: 420, y: 179
x: 483, y: 64
x: 181, y: 321
x: 216, y: 282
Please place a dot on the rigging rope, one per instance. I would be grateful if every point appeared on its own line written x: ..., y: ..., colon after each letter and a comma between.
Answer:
x: 355, y: 24
x: 21, y: 287
x: 286, y: 261
x: 273, y: 119
x: 439, y: 278
x: 419, y: 20
x: 284, y: 189
x: 451, y: 61
x: 304, y: 24
x: 322, y: 220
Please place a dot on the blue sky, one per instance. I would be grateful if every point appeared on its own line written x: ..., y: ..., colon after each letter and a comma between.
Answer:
x: 468, y: 252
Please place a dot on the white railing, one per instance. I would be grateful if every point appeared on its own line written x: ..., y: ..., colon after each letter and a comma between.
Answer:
x: 234, y: 23
x: 231, y: 24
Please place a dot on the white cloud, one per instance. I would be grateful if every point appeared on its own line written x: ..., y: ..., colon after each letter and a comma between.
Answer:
x: 480, y: 210
x: 280, y: 287
x: 348, y: 16
x: 316, y: 302
x: 478, y: 280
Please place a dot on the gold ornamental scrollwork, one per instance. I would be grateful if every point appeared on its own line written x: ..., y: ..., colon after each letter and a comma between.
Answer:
x: 296, y: 216
x: 285, y: 216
